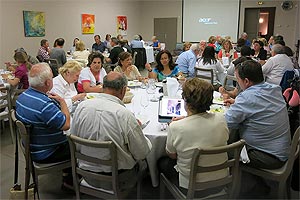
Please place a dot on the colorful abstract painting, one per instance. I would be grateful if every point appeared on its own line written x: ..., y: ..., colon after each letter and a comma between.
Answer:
x: 122, y: 25
x: 87, y: 23
x: 34, y: 23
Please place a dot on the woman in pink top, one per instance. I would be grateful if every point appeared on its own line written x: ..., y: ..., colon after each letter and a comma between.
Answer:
x: 20, y: 75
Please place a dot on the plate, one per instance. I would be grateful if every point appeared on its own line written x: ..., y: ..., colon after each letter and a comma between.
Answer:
x: 134, y: 84
x: 92, y: 95
x: 218, y: 100
x: 158, y: 84
x: 217, y: 109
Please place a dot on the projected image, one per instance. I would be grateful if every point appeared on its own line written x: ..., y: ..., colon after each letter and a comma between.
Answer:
x: 174, y: 107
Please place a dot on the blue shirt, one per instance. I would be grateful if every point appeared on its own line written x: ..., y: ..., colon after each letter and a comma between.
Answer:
x: 44, y: 114
x: 136, y: 44
x: 261, y: 115
x: 161, y: 76
x: 101, y: 47
x: 186, y: 62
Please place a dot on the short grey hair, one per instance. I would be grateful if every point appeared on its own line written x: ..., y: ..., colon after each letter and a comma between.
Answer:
x: 278, y: 49
x: 195, y: 47
x: 116, y: 84
x: 38, y: 77
x: 136, y: 37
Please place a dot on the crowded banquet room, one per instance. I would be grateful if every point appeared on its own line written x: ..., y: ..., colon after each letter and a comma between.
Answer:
x: 187, y: 99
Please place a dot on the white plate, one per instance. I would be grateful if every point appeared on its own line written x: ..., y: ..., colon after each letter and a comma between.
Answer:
x: 158, y: 84
x: 134, y: 84
x: 92, y: 95
x: 217, y: 109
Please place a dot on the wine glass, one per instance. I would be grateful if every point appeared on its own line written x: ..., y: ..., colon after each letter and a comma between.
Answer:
x: 144, y: 101
x: 151, y: 89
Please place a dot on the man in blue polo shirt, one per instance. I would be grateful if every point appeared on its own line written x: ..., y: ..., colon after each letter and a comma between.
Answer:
x: 47, y: 113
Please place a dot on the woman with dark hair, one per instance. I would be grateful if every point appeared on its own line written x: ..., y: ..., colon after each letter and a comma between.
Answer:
x: 91, y: 77
x: 107, y: 41
x: 194, y: 131
x: 125, y: 67
x: 209, y: 61
x: 165, y: 66
x: 258, y: 52
x: 73, y: 48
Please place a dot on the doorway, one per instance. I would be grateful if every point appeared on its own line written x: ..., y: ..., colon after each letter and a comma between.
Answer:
x: 166, y: 31
x: 259, y: 22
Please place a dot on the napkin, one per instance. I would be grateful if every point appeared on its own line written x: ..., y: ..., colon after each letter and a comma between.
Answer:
x: 172, y: 86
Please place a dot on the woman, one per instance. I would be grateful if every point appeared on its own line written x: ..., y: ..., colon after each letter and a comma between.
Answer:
x: 73, y: 48
x: 165, y: 67
x: 258, y: 52
x: 209, y: 61
x: 187, y: 46
x: 107, y: 41
x: 81, y: 52
x: 227, y: 51
x: 63, y: 84
x: 20, y: 79
x: 156, y: 43
x: 91, y: 77
x: 200, y: 129
x: 125, y: 66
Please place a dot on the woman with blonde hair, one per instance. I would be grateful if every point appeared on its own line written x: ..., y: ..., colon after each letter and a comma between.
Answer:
x: 64, y: 86
x: 81, y: 52
x: 227, y: 51
x: 187, y: 46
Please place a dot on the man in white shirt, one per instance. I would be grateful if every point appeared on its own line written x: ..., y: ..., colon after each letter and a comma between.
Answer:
x: 275, y: 66
x: 107, y: 119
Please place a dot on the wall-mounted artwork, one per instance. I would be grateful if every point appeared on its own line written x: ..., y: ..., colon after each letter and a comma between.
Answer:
x: 122, y: 25
x: 87, y: 23
x: 34, y: 23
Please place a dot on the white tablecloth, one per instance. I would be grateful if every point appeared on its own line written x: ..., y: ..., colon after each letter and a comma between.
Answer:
x: 149, y: 54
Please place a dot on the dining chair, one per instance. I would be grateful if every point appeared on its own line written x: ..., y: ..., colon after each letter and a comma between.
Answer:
x: 232, y: 180
x: 5, y: 106
x: 81, y: 186
x: 205, y: 74
x: 32, y: 167
x: 133, y: 57
x: 141, y: 58
x: 229, y: 78
x: 54, y: 66
x: 281, y: 175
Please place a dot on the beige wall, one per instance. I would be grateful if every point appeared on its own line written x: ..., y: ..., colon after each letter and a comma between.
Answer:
x: 63, y: 20
x: 285, y: 21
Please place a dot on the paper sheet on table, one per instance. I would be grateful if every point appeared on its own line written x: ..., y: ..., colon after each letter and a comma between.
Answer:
x: 225, y: 61
x: 244, y: 156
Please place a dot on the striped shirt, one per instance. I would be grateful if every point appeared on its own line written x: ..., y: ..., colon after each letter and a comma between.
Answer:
x: 44, y: 114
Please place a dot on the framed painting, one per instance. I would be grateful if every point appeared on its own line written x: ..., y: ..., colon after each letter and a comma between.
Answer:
x: 87, y: 23
x: 34, y: 23
x: 122, y: 25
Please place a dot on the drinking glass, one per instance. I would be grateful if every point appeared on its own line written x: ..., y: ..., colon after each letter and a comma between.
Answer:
x: 144, y: 101
x: 151, y: 89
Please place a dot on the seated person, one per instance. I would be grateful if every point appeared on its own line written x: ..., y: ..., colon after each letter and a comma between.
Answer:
x: 227, y: 51
x: 194, y: 131
x: 165, y: 67
x: 47, y: 113
x: 156, y: 43
x: 81, y: 52
x: 209, y: 61
x: 136, y: 43
x: 114, y: 52
x: 260, y: 114
x: 58, y: 52
x: 125, y: 66
x: 20, y: 79
x: 91, y: 77
x: 63, y: 84
x: 258, y: 52
x: 107, y: 119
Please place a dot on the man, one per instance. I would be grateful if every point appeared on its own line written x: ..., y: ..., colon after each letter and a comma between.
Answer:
x: 187, y: 60
x: 245, y: 37
x: 47, y: 113
x: 58, y: 53
x: 106, y: 118
x: 98, y: 45
x: 202, y: 45
x: 275, y: 66
x: 260, y: 114
x: 115, y: 51
x: 44, y: 51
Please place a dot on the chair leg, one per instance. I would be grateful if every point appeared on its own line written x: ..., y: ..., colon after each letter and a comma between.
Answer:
x: 162, y: 189
x: 282, y: 190
x: 27, y: 180
x: 12, y: 133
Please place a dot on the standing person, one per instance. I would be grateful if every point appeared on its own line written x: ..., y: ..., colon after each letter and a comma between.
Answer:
x: 98, y: 45
x: 91, y: 77
x: 165, y: 67
x: 194, y: 131
x: 44, y: 51
x: 63, y: 84
x: 186, y: 61
x: 58, y: 53
x: 47, y: 113
x: 20, y: 74
x: 107, y: 119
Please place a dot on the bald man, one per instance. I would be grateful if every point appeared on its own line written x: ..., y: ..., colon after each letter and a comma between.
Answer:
x: 106, y: 118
